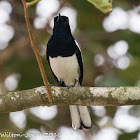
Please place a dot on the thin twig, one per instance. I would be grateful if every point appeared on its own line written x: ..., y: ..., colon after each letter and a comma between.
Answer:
x: 32, y: 3
x: 33, y: 45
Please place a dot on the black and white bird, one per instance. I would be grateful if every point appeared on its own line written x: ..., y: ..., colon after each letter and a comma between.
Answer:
x: 65, y: 60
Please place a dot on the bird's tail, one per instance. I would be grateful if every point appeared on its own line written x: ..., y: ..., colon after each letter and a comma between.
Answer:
x: 80, y: 117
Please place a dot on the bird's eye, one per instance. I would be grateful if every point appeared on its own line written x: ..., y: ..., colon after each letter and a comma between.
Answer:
x: 55, y: 19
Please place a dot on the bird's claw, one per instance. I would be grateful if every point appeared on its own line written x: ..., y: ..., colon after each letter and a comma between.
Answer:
x: 56, y: 85
x: 72, y: 86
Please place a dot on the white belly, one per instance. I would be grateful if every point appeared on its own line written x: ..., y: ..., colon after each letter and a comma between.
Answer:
x: 65, y: 68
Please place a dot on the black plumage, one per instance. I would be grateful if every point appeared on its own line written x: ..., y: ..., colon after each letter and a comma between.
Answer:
x: 63, y: 44
x: 65, y: 60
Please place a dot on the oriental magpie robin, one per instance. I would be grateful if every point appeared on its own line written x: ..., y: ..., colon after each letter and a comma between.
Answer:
x: 65, y: 60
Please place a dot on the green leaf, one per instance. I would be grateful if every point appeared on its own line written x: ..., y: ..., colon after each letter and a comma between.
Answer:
x: 103, y: 5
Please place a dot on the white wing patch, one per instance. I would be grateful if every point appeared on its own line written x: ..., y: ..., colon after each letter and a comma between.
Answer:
x: 77, y: 45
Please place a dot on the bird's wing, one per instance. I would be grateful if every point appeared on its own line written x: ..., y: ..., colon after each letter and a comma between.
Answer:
x: 78, y: 55
x: 80, y: 62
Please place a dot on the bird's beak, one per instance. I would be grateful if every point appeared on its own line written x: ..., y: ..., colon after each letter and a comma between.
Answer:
x: 59, y: 18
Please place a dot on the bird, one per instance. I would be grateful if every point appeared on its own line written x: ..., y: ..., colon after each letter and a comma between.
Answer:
x: 65, y: 60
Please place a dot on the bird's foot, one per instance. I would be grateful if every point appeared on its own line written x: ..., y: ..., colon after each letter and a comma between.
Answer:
x: 60, y: 84
x: 68, y: 87
x: 75, y: 82
x: 72, y: 86
x: 56, y: 85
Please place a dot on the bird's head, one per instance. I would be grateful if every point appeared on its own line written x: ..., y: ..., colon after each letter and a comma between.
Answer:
x: 61, y: 25
x: 61, y: 20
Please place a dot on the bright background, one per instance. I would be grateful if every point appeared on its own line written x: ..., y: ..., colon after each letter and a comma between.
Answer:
x: 110, y: 46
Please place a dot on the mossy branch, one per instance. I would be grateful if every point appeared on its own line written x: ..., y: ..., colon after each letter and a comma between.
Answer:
x: 89, y: 96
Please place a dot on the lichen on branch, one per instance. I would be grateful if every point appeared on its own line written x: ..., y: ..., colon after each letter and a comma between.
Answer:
x: 89, y: 96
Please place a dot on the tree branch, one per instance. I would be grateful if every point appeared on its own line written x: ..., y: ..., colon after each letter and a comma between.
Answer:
x: 89, y: 96
x: 33, y: 45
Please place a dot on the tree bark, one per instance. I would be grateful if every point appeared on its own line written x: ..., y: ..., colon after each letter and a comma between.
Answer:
x: 89, y: 96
